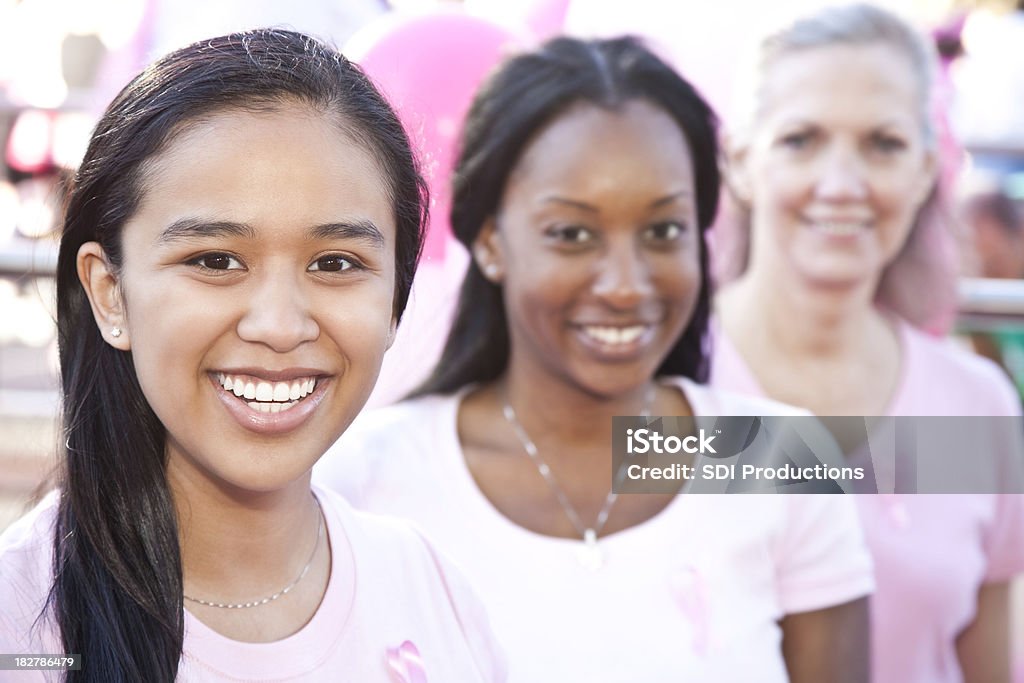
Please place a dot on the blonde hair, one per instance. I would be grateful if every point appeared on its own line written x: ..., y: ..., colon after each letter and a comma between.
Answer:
x: 922, y: 266
x: 852, y: 25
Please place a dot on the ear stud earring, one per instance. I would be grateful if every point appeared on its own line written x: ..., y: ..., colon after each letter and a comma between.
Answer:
x: 115, y: 332
x: 491, y: 270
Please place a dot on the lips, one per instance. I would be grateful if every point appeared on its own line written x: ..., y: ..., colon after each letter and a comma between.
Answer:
x: 270, y: 402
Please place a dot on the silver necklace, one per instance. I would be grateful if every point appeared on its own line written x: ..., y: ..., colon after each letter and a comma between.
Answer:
x: 284, y: 591
x: 589, y: 554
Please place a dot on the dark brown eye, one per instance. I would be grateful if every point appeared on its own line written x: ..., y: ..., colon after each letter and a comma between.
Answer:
x: 666, y: 231
x: 797, y: 141
x: 571, y: 234
x: 335, y: 263
x: 888, y: 143
x: 216, y: 261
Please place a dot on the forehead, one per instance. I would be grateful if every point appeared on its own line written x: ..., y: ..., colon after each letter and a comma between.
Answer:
x: 592, y: 147
x: 286, y: 166
x: 842, y: 81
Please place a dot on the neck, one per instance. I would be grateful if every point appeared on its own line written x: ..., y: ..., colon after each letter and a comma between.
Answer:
x: 799, y: 319
x: 240, y: 546
x: 551, y: 406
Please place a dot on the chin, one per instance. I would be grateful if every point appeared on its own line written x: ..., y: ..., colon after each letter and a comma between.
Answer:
x: 261, y: 483
x: 262, y: 472
x: 610, y: 385
x: 835, y: 275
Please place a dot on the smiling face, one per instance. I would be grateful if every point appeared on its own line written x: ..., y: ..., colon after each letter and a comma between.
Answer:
x: 596, y: 246
x: 837, y: 165
x: 256, y: 292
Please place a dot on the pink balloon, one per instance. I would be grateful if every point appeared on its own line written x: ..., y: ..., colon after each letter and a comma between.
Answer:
x: 538, y: 19
x: 429, y: 65
x: 546, y: 18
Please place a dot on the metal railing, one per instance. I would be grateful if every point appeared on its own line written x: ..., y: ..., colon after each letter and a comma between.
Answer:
x: 989, y: 305
x: 19, y: 258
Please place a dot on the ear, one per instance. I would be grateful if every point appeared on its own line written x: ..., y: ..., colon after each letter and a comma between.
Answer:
x: 928, y: 178
x: 392, y: 331
x: 736, y: 171
x: 104, y: 292
x: 489, y: 253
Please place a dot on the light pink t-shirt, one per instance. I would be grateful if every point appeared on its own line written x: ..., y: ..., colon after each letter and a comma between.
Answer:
x: 932, y: 552
x: 695, y: 593
x: 391, y: 588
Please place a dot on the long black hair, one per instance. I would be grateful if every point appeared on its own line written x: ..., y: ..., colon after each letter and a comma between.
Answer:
x: 526, y: 93
x: 117, y: 591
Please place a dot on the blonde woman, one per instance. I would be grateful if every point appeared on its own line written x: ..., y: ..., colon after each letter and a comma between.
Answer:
x: 836, y: 167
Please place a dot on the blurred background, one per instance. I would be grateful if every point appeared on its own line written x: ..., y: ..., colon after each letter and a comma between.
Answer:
x: 61, y: 61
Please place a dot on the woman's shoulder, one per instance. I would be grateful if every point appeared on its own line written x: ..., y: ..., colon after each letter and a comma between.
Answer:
x: 32, y: 534
x: 383, y: 543
x: 404, y: 420
x: 402, y: 573
x: 942, y: 376
x: 368, y: 527
x: 26, y: 573
x: 950, y: 358
x: 707, y: 400
x: 395, y: 439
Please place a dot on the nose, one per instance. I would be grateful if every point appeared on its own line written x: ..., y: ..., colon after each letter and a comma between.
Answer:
x: 624, y: 279
x: 841, y: 176
x: 278, y: 315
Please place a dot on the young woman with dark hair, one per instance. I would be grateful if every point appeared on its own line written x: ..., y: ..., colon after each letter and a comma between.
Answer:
x: 237, y: 249
x: 587, y: 176
x: 528, y: 93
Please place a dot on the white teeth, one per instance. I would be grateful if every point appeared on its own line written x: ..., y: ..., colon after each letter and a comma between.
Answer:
x: 615, y: 335
x: 267, y: 397
x: 264, y: 391
x: 839, y: 228
x: 271, y: 407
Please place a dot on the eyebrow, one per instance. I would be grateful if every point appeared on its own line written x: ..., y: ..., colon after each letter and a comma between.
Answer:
x: 900, y: 123
x: 362, y: 230
x: 192, y: 228
x: 669, y: 198
x: 656, y: 204
x: 812, y: 123
x: 571, y: 202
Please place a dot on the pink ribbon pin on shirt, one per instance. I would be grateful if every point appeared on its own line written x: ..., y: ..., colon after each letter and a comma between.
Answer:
x: 405, y: 664
x: 691, y: 595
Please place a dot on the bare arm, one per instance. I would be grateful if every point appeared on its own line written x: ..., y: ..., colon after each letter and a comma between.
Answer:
x: 829, y: 645
x: 984, y: 646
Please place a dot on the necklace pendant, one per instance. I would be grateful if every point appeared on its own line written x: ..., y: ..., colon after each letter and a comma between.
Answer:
x: 589, y: 553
